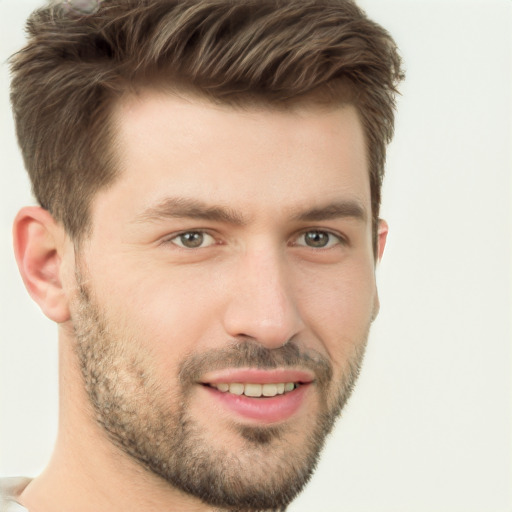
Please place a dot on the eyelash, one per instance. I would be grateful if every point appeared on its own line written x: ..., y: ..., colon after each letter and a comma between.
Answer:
x: 338, y: 239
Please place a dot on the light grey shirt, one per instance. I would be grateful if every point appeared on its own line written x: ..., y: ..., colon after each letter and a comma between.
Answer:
x: 10, y: 490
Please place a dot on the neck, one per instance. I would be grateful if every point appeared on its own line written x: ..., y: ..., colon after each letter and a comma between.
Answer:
x: 87, y: 472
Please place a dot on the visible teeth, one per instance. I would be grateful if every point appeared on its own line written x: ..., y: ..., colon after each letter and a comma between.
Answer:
x: 269, y: 389
x: 253, y: 390
x: 256, y: 390
x: 236, y: 389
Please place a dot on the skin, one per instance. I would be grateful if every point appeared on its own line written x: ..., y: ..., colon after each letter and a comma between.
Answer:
x: 258, y: 279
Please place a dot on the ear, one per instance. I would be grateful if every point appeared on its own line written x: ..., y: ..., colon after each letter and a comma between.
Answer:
x: 38, y: 247
x: 382, y: 234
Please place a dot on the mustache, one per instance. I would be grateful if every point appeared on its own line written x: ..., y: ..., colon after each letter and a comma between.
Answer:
x: 249, y: 353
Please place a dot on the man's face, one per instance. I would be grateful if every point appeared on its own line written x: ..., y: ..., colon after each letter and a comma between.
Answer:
x: 226, y: 292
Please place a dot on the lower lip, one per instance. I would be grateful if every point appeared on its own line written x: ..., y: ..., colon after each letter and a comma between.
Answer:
x: 263, y: 410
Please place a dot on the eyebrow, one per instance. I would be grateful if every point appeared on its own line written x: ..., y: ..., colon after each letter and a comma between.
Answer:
x: 183, y: 207
x: 335, y: 210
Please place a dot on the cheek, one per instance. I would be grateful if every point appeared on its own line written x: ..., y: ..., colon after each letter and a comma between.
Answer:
x: 168, y: 312
x: 338, y: 306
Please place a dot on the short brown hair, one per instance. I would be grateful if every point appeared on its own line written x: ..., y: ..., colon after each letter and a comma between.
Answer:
x: 75, y: 64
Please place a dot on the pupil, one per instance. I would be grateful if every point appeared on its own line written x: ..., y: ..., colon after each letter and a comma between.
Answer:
x: 192, y: 239
x: 317, y: 239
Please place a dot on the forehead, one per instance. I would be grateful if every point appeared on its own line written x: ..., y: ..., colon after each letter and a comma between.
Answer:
x: 169, y: 144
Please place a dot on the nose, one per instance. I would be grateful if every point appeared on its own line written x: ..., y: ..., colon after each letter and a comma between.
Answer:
x: 261, y: 304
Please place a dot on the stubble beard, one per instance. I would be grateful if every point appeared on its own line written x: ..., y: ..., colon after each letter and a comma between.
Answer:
x: 159, y: 433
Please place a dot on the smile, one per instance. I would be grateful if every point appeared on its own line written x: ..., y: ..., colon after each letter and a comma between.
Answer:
x: 256, y: 390
x: 256, y: 395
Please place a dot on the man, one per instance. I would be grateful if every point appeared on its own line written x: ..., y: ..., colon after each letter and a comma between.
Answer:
x: 209, y: 174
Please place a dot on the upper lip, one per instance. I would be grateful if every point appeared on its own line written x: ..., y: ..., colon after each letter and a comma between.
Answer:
x: 256, y: 376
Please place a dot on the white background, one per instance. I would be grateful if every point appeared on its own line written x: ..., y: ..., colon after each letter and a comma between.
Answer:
x: 429, y: 426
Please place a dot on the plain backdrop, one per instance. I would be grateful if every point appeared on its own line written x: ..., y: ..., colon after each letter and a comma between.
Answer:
x: 429, y: 426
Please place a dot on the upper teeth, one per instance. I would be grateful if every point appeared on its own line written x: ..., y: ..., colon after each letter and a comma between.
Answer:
x: 256, y: 390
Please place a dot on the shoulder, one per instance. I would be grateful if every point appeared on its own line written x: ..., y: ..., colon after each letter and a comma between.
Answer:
x: 10, y: 490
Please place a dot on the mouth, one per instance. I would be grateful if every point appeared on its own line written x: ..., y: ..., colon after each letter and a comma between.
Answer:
x: 258, y: 395
x: 255, y: 390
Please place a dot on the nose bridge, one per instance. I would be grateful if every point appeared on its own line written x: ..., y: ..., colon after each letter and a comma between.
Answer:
x: 262, y: 304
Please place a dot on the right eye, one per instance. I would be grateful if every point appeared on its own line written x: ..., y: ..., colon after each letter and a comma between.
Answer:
x: 192, y: 240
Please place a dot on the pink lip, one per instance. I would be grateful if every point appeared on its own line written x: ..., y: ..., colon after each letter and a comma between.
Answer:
x: 263, y: 410
x: 256, y: 376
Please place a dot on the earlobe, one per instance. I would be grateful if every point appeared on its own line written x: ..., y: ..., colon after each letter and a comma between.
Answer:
x: 38, y: 246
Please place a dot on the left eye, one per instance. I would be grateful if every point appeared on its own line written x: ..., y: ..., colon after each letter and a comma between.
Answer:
x: 318, y: 239
x: 193, y: 240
